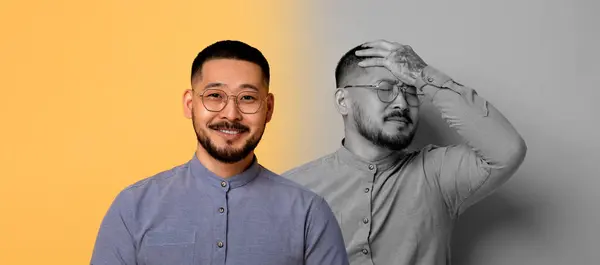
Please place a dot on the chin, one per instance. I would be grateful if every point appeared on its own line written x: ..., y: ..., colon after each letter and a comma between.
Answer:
x: 398, y: 130
x: 232, y: 144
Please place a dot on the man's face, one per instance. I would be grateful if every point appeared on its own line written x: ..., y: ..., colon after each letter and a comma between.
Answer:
x: 390, y: 125
x: 228, y: 135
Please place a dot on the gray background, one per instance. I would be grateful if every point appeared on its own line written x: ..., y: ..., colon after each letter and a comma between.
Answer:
x: 536, y: 61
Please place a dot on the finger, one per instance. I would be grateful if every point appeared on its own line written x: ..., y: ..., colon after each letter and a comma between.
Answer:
x: 382, y: 44
x: 375, y: 52
x: 373, y: 62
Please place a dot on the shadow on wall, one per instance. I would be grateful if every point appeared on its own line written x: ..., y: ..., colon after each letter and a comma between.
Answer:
x: 497, y: 212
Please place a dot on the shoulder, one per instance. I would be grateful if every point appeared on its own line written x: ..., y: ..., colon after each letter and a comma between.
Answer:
x: 289, y: 186
x: 160, y: 179
x: 291, y: 191
x: 151, y: 186
x: 311, y: 168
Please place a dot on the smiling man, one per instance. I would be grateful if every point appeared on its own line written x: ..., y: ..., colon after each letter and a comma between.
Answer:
x: 222, y: 206
x: 398, y: 206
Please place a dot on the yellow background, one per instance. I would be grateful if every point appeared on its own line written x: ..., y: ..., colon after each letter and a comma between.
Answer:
x: 91, y: 102
x: 90, y: 97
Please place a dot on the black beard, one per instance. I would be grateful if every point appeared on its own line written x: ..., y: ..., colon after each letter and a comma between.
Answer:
x: 227, y: 155
x: 396, y: 142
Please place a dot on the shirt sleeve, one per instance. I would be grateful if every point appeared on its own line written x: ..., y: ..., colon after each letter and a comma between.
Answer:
x: 324, y: 243
x: 493, y: 149
x: 114, y: 242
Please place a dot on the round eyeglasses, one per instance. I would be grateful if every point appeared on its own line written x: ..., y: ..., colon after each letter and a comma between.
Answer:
x: 388, y: 92
x: 215, y: 100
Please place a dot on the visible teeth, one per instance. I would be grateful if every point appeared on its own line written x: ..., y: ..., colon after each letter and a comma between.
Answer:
x: 229, y: 132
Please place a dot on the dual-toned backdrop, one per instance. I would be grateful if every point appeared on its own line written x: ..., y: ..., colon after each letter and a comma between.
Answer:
x: 91, y: 102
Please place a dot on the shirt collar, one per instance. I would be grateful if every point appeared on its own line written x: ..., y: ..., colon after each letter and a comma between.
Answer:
x: 381, y: 164
x: 200, y: 171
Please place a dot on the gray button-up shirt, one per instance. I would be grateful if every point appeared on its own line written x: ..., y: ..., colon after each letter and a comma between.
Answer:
x: 189, y: 216
x: 401, y: 209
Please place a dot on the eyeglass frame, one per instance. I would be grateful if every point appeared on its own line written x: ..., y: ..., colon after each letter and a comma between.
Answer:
x: 395, y: 85
x: 228, y: 97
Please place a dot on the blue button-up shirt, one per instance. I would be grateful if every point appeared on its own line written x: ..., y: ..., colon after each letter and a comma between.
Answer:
x: 189, y: 216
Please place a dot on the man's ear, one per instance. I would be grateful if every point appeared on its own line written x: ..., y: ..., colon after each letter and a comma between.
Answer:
x: 270, y: 106
x: 342, y: 102
x: 188, y: 103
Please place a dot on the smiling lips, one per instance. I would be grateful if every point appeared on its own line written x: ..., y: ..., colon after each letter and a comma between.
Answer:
x: 228, y: 131
x: 229, y: 128
x: 232, y: 132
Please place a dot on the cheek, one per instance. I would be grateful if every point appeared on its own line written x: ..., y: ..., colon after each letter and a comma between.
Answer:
x: 369, y: 115
x: 202, y: 117
x: 255, y: 121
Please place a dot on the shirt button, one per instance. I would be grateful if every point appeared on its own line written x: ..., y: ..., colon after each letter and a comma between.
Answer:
x: 220, y: 244
x: 221, y: 209
x: 365, y: 251
x: 366, y: 220
x: 223, y: 184
x: 371, y: 167
x: 367, y: 190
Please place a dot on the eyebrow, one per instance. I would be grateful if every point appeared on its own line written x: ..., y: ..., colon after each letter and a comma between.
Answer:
x: 217, y: 84
x: 249, y: 86
x: 213, y: 85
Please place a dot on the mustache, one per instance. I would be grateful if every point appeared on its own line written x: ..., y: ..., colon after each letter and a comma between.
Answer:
x: 399, y: 115
x: 229, y: 126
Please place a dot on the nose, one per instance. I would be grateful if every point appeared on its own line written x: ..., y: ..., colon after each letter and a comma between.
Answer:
x: 399, y: 102
x: 231, y: 111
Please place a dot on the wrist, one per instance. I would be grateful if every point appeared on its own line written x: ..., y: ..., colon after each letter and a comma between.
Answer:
x: 431, y: 77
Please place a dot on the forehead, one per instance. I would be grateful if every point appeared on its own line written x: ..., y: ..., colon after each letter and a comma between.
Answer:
x: 230, y: 72
x: 369, y: 75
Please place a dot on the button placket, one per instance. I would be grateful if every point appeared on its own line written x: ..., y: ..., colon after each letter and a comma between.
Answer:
x: 362, y: 215
x: 367, y: 215
x: 220, y: 223
x: 370, y: 183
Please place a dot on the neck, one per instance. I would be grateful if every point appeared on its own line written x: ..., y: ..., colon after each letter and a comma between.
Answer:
x: 221, y: 169
x: 363, y: 148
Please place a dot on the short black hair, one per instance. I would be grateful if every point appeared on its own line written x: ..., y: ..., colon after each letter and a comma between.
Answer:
x: 347, y: 63
x: 231, y: 49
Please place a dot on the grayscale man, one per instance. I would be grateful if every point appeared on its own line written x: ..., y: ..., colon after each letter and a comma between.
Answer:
x: 221, y: 206
x: 397, y: 206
